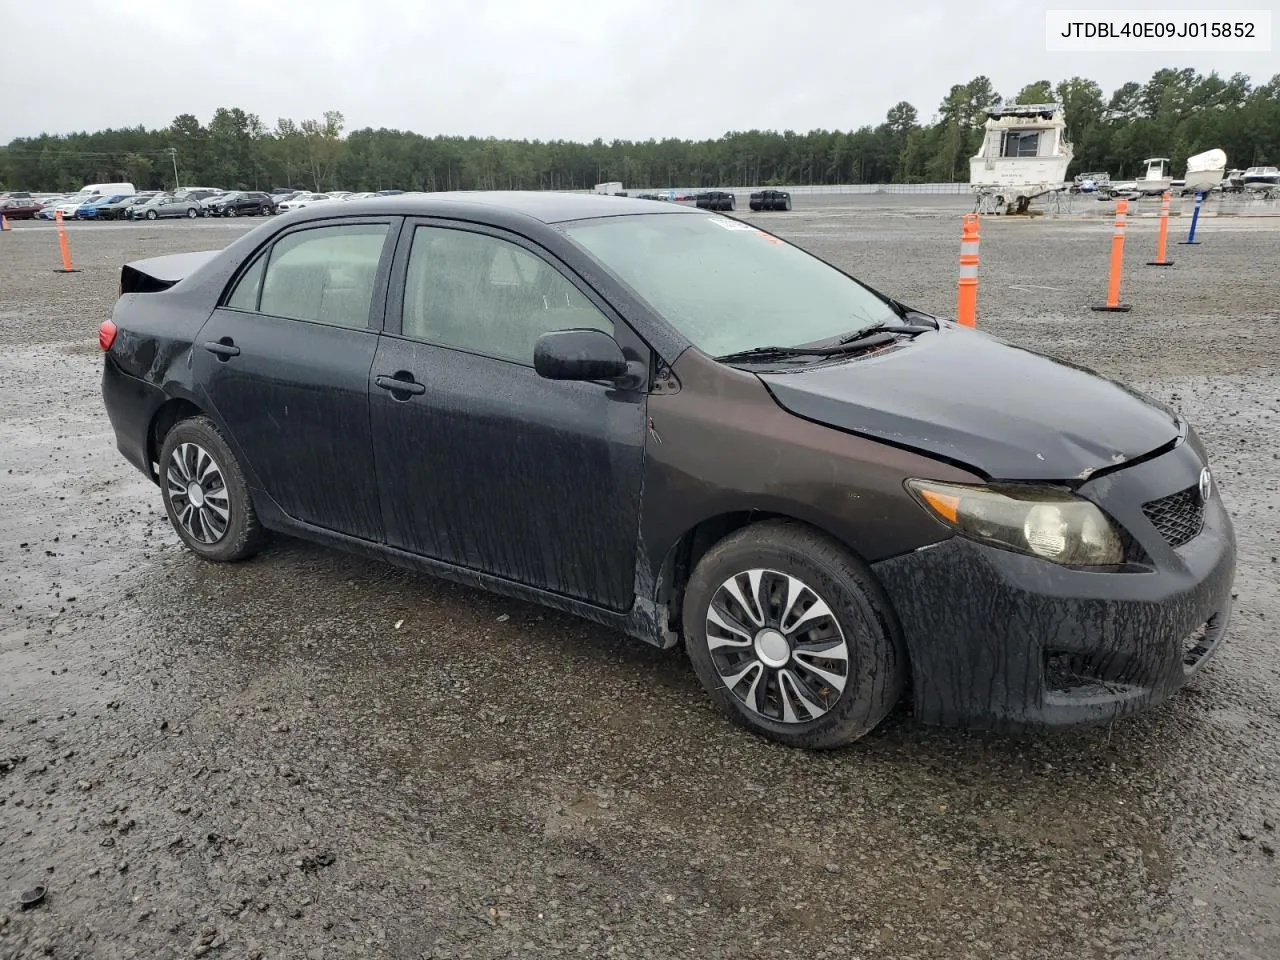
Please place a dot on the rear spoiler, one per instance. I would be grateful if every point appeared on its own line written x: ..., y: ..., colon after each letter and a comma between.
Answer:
x: 161, y: 273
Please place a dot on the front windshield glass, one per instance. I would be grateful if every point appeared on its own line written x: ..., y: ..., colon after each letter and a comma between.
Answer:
x: 727, y: 286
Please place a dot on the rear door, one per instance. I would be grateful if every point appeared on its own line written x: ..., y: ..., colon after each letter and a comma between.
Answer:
x: 284, y: 363
x: 483, y: 463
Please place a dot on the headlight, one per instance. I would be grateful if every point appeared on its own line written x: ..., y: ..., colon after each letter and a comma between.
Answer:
x: 1042, y: 521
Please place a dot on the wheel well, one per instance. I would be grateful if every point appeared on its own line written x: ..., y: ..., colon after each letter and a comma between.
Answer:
x: 170, y: 413
x: 694, y: 543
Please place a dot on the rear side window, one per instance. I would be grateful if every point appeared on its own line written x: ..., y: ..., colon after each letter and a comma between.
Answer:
x: 245, y: 295
x: 324, y: 275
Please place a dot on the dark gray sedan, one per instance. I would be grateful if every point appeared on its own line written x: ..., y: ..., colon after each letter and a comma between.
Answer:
x: 679, y: 425
x: 165, y: 205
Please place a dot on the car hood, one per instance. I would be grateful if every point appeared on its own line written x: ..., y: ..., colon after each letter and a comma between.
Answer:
x: 1008, y: 412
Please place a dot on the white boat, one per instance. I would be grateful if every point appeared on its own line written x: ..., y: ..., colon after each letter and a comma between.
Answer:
x: 1205, y: 171
x: 1261, y: 178
x: 1024, y: 153
x: 1155, y: 182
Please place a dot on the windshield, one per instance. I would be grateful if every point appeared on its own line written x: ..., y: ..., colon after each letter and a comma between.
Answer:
x: 727, y: 286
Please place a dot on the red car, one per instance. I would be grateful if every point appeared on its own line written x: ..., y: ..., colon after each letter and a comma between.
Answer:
x: 20, y: 209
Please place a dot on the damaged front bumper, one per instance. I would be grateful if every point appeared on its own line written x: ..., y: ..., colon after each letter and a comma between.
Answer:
x: 1000, y: 640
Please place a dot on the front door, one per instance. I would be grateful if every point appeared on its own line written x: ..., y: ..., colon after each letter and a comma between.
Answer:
x: 481, y: 462
x: 285, y: 362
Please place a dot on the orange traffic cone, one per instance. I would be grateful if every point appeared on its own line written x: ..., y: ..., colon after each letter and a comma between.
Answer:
x: 4, y: 224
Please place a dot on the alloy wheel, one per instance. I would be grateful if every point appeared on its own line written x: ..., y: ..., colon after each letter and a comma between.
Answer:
x: 198, y: 493
x: 776, y: 645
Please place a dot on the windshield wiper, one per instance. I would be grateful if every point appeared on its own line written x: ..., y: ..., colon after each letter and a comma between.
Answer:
x: 859, y: 342
x: 906, y: 313
x: 864, y: 339
x: 909, y: 329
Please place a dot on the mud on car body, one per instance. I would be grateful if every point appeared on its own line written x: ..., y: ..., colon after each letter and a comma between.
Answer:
x: 678, y: 425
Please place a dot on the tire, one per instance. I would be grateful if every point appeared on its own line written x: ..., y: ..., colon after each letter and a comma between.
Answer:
x: 230, y: 211
x: 732, y: 203
x: 860, y: 621
x: 786, y: 204
x: 240, y: 535
x: 755, y: 205
x: 152, y: 215
x: 192, y: 213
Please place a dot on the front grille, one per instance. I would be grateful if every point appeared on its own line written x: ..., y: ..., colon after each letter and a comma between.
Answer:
x: 1178, y: 516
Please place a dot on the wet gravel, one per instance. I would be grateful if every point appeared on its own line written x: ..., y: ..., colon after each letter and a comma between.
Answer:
x: 312, y: 755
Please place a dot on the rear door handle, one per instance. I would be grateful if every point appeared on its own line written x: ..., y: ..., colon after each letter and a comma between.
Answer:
x: 222, y: 348
x: 396, y: 385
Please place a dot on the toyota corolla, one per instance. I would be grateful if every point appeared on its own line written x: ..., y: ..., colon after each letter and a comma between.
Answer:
x: 681, y: 426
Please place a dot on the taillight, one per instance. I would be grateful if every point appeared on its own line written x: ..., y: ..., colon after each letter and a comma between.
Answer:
x: 106, y: 334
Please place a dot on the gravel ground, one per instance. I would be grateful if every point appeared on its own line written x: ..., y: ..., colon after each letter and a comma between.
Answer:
x: 315, y: 756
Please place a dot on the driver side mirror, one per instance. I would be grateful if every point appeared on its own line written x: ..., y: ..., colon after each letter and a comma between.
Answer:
x: 584, y: 354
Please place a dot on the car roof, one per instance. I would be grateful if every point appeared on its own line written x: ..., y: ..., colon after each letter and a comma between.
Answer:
x: 545, y: 206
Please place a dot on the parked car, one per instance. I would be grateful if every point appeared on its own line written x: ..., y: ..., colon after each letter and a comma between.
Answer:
x: 17, y: 208
x: 198, y: 193
x: 89, y: 210
x: 119, y: 210
x: 388, y: 193
x: 300, y: 201
x: 713, y: 444
x: 770, y: 200
x: 47, y: 210
x: 241, y: 204
x: 70, y: 206
x: 165, y: 205
x: 716, y: 200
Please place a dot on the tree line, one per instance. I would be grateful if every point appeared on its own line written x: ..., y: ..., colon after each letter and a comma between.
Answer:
x: 1176, y: 114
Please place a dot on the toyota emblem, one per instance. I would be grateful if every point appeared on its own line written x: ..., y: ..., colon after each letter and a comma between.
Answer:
x: 1206, y: 485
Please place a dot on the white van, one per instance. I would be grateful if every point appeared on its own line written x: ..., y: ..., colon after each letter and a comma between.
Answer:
x: 108, y: 189
x: 91, y: 190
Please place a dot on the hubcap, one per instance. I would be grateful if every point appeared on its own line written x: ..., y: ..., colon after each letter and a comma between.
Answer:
x: 777, y: 646
x: 198, y: 493
x: 772, y: 648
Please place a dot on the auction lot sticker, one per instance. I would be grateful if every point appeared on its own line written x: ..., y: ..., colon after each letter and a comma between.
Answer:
x: 1158, y: 31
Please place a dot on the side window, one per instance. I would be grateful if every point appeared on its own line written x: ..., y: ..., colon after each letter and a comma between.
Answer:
x: 325, y: 274
x: 245, y: 295
x: 486, y: 295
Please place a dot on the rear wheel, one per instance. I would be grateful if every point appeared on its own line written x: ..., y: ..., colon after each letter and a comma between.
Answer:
x: 152, y: 215
x: 192, y: 213
x: 792, y: 637
x: 205, y: 493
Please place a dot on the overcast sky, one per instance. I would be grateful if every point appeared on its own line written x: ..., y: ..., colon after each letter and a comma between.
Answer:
x: 574, y: 69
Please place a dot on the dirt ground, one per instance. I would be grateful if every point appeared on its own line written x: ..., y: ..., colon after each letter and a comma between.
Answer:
x: 312, y: 755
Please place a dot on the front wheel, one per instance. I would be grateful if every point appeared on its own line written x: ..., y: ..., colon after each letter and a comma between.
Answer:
x: 205, y: 493
x: 792, y: 637
x: 229, y: 212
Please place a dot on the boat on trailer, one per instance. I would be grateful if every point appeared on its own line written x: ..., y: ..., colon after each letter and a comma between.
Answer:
x: 1024, y: 155
x: 1205, y: 171
x: 1155, y: 182
x: 1261, y: 177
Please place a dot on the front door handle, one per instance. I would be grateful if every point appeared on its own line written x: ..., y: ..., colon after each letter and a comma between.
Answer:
x: 398, y: 385
x: 223, y: 348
